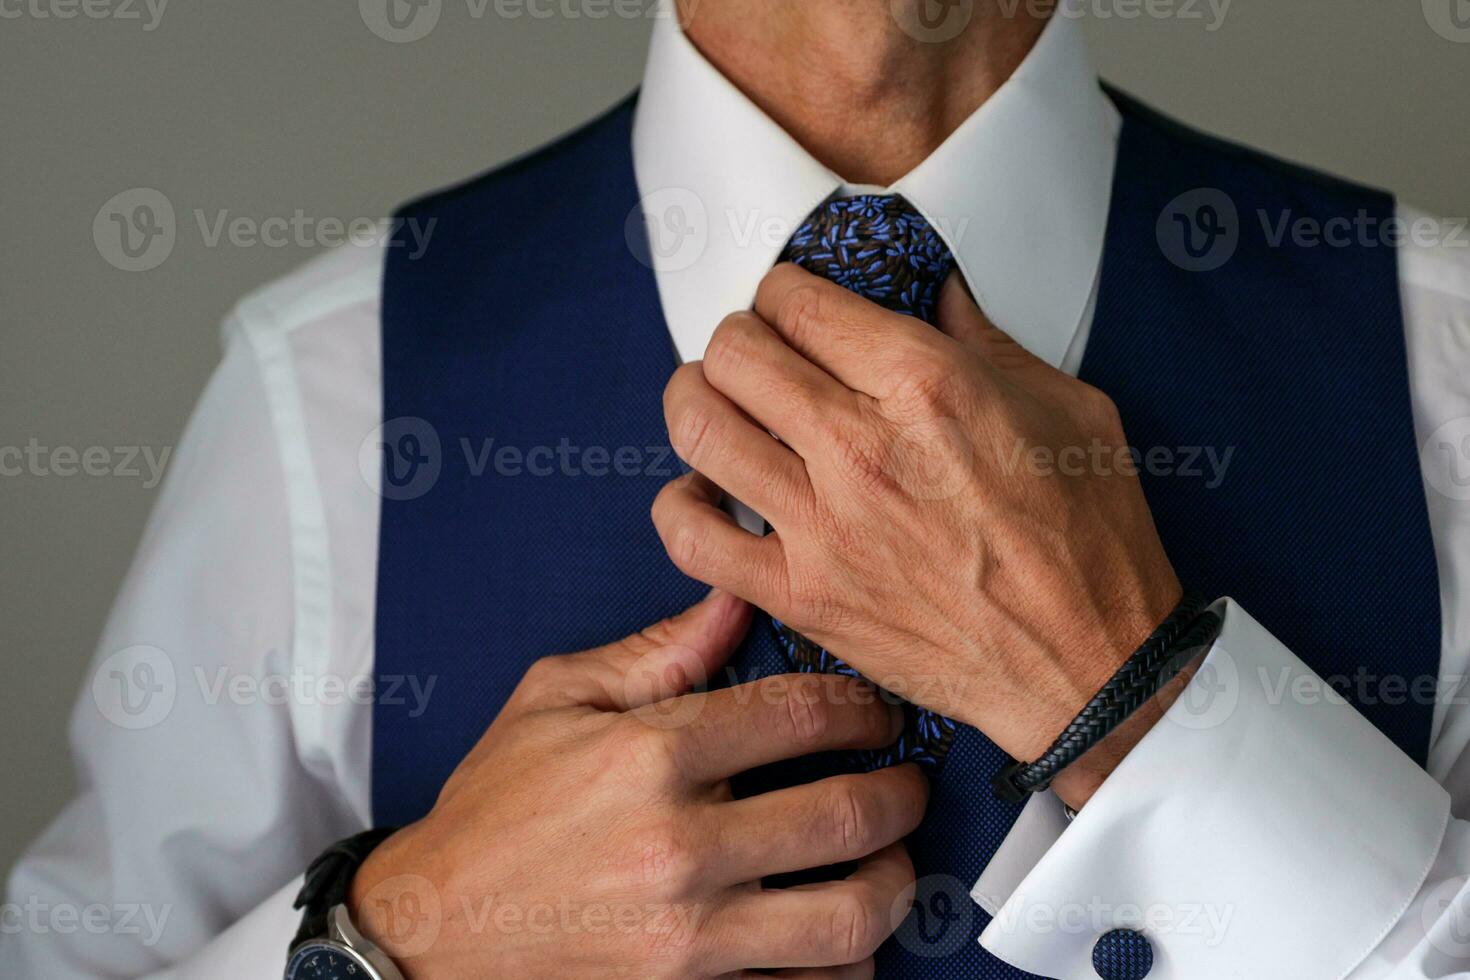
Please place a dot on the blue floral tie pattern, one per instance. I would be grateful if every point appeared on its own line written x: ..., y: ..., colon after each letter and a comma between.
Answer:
x: 879, y: 247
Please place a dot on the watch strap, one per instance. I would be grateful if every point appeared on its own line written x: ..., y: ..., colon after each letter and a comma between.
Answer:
x: 329, y: 879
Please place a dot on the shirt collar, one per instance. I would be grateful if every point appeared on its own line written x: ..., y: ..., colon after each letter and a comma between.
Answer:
x: 1019, y: 191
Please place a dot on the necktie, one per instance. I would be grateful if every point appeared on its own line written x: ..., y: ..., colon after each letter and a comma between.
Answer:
x: 881, y: 248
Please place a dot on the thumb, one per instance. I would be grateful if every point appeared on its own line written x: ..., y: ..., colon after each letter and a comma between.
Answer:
x: 665, y: 660
x: 961, y: 318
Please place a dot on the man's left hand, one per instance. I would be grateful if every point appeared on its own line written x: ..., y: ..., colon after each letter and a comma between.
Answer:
x: 952, y: 516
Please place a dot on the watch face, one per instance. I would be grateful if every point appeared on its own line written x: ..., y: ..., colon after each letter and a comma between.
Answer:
x: 322, y: 960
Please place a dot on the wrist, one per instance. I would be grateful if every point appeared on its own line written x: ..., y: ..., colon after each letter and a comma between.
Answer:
x: 1076, y: 784
x: 1084, y: 653
x: 394, y: 902
x: 1121, y: 712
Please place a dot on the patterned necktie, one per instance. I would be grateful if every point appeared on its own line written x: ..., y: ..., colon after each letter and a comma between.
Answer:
x: 879, y: 247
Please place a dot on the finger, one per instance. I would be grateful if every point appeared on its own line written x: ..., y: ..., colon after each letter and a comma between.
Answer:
x: 854, y: 339
x: 755, y: 368
x: 706, y: 544
x: 665, y: 660
x: 784, y: 716
x: 820, y: 925
x: 713, y: 435
x: 832, y: 820
x: 961, y: 318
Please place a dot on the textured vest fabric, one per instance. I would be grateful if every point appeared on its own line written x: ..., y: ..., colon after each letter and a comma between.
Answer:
x: 524, y: 357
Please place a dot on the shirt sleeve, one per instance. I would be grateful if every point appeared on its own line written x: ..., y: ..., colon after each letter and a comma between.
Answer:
x: 194, y: 812
x: 1263, y: 828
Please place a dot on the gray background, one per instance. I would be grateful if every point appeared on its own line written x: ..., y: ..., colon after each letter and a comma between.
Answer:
x: 267, y: 107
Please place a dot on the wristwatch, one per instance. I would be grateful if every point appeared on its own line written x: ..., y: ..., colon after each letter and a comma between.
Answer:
x: 328, y: 946
x: 342, y: 954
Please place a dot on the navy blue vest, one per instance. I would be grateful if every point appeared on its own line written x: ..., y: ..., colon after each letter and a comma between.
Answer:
x: 524, y: 356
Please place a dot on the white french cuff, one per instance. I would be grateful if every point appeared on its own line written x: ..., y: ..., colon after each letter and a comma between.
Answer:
x: 1262, y: 828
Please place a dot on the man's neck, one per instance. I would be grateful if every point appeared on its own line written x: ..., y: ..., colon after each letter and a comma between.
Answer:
x: 851, y: 81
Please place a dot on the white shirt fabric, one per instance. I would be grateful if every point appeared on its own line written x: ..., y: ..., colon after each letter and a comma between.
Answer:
x: 1264, y: 829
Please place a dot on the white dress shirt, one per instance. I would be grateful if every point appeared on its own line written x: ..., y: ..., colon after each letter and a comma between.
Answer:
x: 1263, y: 830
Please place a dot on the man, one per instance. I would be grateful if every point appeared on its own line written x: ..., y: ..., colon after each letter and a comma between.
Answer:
x: 437, y: 472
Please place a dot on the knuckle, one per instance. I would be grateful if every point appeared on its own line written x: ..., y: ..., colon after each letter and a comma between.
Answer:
x: 861, y: 461
x: 667, y: 868
x: 925, y: 382
x: 846, y: 809
x: 654, y: 754
x: 686, y: 548
x: 729, y: 346
x: 810, y: 601
x: 1095, y: 412
x: 1104, y: 410
x: 664, y: 504
x: 808, y: 715
x: 545, y: 674
x: 856, y: 927
x: 802, y: 310
x: 1095, y: 401
x: 652, y: 636
x: 693, y: 430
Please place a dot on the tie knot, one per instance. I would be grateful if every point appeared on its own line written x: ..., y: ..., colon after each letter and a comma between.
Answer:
x: 878, y: 246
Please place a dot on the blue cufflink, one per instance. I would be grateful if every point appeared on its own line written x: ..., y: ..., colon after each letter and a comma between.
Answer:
x: 1122, y: 954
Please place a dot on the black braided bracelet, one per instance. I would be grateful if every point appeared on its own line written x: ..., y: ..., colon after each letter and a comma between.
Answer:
x: 1188, y: 627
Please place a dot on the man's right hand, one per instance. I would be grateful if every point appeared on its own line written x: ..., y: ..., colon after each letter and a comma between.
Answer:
x: 592, y: 831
